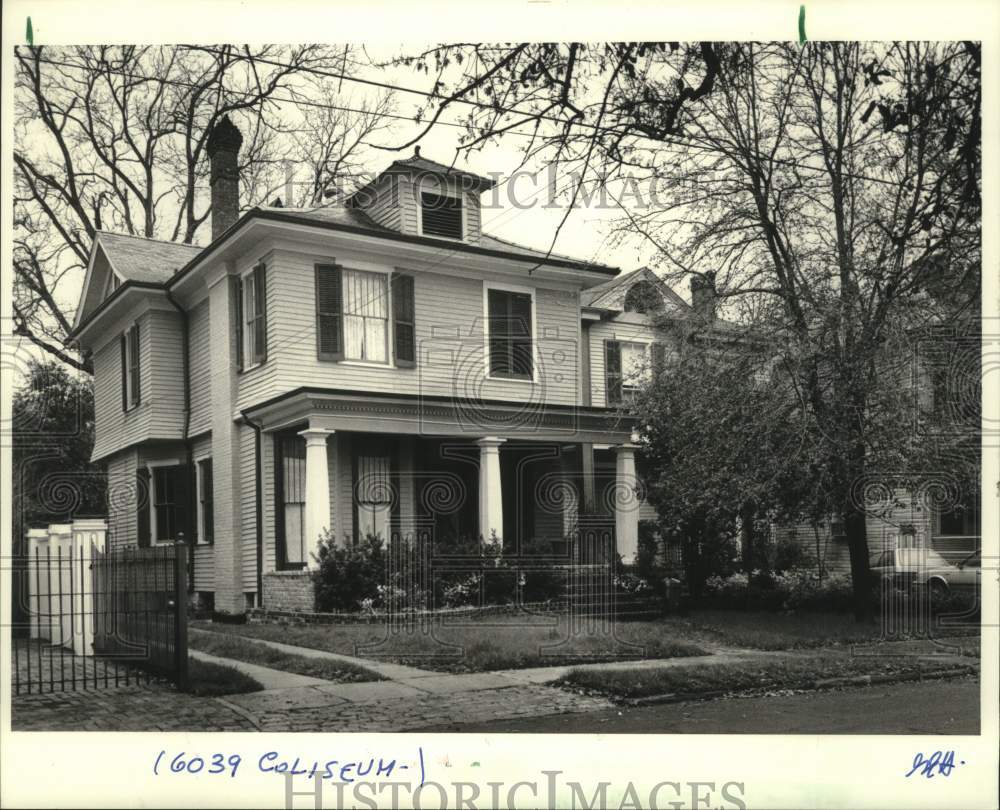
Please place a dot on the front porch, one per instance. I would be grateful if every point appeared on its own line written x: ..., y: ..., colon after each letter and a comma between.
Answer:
x: 404, y: 469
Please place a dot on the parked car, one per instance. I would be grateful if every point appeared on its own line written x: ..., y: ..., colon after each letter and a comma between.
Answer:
x: 904, y: 568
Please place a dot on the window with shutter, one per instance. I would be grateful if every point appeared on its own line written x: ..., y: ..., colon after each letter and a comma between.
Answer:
x: 255, y: 305
x: 129, y: 345
x: 441, y: 215
x: 143, y: 500
x: 206, y: 502
x: 329, y: 312
x: 403, y: 315
x: 123, y: 345
x: 135, y: 392
x: 165, y: 502
x: 510, y: 334
x: 613, y: 372
x: 238, y: 294
x: 366, y: 316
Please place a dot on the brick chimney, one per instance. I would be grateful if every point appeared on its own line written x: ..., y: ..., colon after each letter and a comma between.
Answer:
x: 223, y: 147
x: 703, y: 296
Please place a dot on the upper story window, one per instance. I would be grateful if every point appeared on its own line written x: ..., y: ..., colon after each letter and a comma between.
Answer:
x: 251, y: 318
x: 366, y: 316
x: 510, y: 333
x: 129, y: 342
x: 642, y: 297
x: 353, y: 315
x: 441, y: 215
x: 627, y: 368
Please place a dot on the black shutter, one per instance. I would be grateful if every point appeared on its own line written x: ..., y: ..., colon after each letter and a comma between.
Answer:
x: 613, y: 371
x: 238, y: 314
x: 329, y: 312
x: 520, y: 335
x: 122, y: 343
x: 260, y: 313
x: 498, y: 326
x: 403, y: 325
x: 143, y: 498
x: 658, y: 359
x: 133, y: 334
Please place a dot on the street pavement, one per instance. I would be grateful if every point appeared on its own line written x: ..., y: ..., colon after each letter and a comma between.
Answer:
x: 929, y: 707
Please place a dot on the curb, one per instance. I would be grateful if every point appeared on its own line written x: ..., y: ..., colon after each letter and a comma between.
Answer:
x: 828, y: 683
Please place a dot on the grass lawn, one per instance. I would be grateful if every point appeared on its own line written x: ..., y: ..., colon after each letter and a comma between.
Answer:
x: 479, y: 645
x: 778, y: 674
x: 770, y: 630
x: 242, y: 649
x: 211, y: 680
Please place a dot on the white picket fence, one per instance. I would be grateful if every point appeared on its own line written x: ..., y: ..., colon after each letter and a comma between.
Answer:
x: 60, y: 588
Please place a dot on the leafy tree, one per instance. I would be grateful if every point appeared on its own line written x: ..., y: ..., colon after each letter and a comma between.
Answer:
x: 52, y: 430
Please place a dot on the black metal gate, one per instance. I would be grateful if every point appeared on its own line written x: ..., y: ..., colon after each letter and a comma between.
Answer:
x: 99, y: 619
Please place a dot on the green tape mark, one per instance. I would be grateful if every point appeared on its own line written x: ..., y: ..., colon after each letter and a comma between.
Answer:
x: 29, y: 34
x: 475, y: 764
x: 802, y: 24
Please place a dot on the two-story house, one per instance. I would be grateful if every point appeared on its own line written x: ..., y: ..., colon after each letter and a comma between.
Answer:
x: 373, y: 366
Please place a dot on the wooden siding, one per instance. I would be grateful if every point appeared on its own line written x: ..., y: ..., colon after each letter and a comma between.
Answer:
x: 450, y: 341
x: 200, y: 359
x: 160, y: 413
x: 248, y: 508
x: 384, y: 207
x: 203, y: 553
x: 122, y: 498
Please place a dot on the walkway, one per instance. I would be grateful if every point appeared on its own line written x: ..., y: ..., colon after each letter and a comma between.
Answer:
x: 408, y: 699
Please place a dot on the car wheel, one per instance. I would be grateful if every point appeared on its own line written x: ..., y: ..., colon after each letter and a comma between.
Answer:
x: 938, y: 588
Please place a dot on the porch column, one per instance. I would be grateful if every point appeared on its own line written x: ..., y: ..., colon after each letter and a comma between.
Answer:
x: 626, y: 504
x: 317, y: 511
x: 490, y: 491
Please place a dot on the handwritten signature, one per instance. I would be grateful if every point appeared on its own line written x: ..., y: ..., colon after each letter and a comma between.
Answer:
x: 939, y: 763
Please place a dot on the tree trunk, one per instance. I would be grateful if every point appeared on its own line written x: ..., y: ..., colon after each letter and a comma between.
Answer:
x: 855, y: 528
x: 748, y: 536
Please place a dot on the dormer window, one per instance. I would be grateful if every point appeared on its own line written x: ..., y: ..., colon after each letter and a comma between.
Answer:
x: 441, y: 215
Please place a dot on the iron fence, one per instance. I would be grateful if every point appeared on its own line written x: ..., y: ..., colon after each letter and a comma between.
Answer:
x: 98, y: 619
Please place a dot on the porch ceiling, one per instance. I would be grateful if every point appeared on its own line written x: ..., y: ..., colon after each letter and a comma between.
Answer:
x: 441, y: 416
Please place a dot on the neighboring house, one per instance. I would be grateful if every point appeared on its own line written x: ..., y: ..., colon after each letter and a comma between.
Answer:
x: 625, y: 346
x: 380, y: 365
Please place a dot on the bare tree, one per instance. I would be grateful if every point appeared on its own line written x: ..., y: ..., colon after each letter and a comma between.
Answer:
x: 114, y: 138
x: 832, y: 189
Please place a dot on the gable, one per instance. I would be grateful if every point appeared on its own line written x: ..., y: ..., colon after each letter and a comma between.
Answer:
x: 612, y: 294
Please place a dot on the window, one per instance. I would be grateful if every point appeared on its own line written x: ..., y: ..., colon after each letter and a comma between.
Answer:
x: 366, y: 316
x: 959, y: 522
x: 253, y: 317
x: 626, y: 369
x: 290, y: 460
x: 166, y: 491
x: 206, y: 506
x: 403, y: 315
x: 642, y: 297
x: 441, y: 215
x: 329, y: 312
x: 352, y: 316
x: 373, y: 496
x: 131, y: 393
x: 510, y: 334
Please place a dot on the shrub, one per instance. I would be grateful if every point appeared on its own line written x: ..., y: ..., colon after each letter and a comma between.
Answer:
x: 795, y: 589
x: 349, y: 573
x: 413, y: 574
